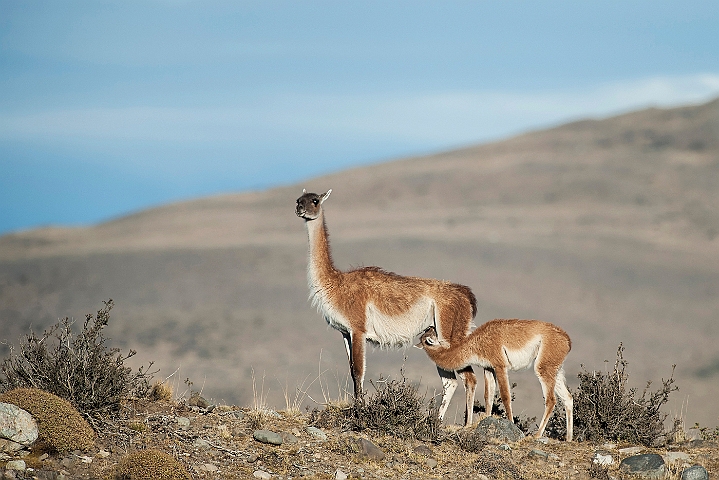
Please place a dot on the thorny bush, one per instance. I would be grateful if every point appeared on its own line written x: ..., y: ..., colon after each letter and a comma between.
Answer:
x: 79, y: 368
x: 605, y: 408
x: 395, y: 408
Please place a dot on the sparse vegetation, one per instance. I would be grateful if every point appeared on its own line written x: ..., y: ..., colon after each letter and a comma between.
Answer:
x: 61, y: 428
x: 148, y: 465
x: 605, y: 408
x: 79, y: 368
x: 395, y: 408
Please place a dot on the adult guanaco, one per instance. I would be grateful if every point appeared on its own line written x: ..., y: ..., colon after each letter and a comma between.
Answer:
x: 372, y: 305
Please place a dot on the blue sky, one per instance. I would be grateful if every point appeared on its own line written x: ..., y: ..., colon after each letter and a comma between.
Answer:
x: 110, y: 107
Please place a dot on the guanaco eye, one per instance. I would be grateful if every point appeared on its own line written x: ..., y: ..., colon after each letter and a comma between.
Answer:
x: 315, y: 201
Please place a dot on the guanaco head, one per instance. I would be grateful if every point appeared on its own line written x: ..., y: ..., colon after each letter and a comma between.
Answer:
x: 309, y: 204
x: 429, y: 340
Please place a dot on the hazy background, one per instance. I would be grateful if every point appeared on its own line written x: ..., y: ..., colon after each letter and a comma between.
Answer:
x: 111, y: 113
x: 110, y: 107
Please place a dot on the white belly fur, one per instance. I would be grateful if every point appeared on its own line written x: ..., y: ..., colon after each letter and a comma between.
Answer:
x: 524, y: 357
x: 398, y: 330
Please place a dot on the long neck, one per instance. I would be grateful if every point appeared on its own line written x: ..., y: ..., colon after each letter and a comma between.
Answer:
x: 320, y: 267
x: 457, y: 355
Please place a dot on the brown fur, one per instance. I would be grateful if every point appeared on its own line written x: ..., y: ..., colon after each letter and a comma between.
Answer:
x: 371, y: 304
x: 500, y: 346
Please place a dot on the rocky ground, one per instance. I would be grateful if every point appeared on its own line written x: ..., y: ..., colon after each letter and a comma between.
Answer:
x: 226, y: 442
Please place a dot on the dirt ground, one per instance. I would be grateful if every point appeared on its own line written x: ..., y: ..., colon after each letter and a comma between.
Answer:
x: 220, y: 445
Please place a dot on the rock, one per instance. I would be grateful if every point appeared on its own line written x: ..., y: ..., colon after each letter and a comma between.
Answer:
x: 17, y: 425
x: 252, y: 458
x: 499, y: 429
x: 504, y: 447
x: 316, y: 433
x: 431, y: 462
x: 197, y: 400
x: 340, y: 475
x: 238, y: 414
x: 697, y: 472
x: 602, y: 458
x: 630, y: 450
x: 542, y: 440
x: 266, y: 436
x: 289, y: 438
x: 9, y: 446
x: 18, y: 465
x: 659, y: 442
x: 208, y: 467
x: 183, y: 422
x: 648, y: 465
x: 423, y: 450
x: 261, y: 474
x: 538, y: 454
x: 367, y: 449
x: 201, y: 443
x: 482, y: 476
x: 103, y: 454
x: 673, y: 457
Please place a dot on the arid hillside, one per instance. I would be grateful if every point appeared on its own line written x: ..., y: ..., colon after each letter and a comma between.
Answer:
x: 608, y: 228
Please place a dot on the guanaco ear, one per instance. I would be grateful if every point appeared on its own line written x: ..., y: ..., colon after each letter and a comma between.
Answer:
x: 304, y: 191
x: 325, y: 196
x: 419, y: 345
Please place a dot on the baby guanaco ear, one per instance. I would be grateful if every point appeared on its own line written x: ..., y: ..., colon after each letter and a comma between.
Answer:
x: 325, y: 196
x: 419, y: 345
x: 431, y: 341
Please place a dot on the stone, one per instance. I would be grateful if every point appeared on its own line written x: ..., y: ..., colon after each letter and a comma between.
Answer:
x: 316, y: 433
x: 538, y: 454
x: 648, y: 465
x: 261, y: 474
x: 208, y: 467
x: 674, y: 457
x: 201, y: 443
x: 197, y: 400
x: 103, y: 454
x: 542, y: 440
x: 266, y: 436
x: 498, y: 429
x: 504, y: 447
x: 602, y: 458
x: 183, y: 422
x: 17, y: 425
x: 18, y: 465
x: 630, y: 450
x: 340, y: 475
x: 10, y: 446
x: 423, y: 450
x: 289, y: 438
x: 697, y: 472
x: 238, y: 414
x: 368, y: 449
x: 431, y: 462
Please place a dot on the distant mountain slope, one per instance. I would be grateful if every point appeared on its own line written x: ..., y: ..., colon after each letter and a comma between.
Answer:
x: 607, y: 227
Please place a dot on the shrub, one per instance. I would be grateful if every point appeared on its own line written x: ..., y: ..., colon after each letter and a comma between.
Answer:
x: 395, y: 408
x: 60, y: 426
x: 161, y: 391
x: 80, y: 369
x: 606, y: 409
x: 148, y: 465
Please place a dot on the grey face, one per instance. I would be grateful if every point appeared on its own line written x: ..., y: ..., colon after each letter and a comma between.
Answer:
x: 308, y: 205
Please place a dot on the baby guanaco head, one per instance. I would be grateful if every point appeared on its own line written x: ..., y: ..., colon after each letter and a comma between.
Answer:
x: 309, y: 204
x: 430, y: 340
